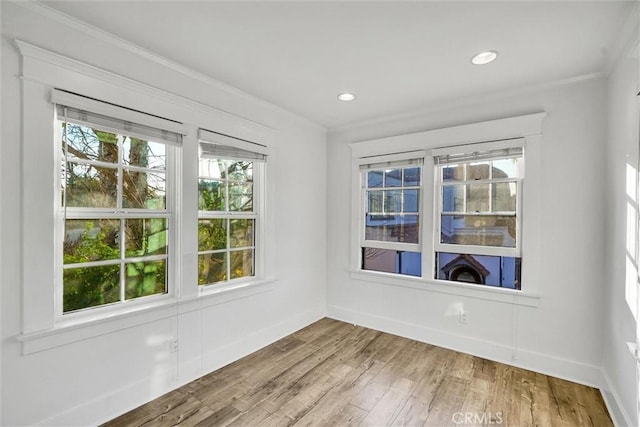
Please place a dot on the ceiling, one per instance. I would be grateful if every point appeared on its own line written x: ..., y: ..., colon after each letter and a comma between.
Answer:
x: 396, y: 56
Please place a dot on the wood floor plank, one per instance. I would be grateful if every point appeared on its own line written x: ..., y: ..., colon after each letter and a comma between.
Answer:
x: 448, y: 400
x: 591, y: 406
x: 349, y: 415
x: 389, y: 407
x: 251, y: 417
x: 336, y: 374
x: 535, y: 411
x: 313, y: 393
x: 334, y: 400
x: 564, y: 409
x: 291, y: 380
x: 417, y: 408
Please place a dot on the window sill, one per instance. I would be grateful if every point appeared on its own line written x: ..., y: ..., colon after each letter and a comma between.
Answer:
x: 68, y: 332
x: 507, y: 296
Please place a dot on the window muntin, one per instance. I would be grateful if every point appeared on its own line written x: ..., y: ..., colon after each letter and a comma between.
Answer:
x: 227, y: 219
x: 390, y: 240
x: 478, y: 217
x: 114, y: 214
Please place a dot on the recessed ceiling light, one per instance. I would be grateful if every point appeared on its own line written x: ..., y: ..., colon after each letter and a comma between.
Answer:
x: 484, y: 57
x: 346, y: 96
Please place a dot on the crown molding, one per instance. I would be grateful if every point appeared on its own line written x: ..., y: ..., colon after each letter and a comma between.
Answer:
x: 109, y: 38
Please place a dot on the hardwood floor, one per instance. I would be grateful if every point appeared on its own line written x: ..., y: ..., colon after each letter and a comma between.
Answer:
x: 333, y: 374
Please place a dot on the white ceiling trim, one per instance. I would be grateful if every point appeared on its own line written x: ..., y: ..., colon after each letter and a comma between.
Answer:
x: 99, y: 34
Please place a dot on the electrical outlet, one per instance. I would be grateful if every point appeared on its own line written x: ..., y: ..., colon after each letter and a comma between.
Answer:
x: 173, y: 345
x: 463, y: 317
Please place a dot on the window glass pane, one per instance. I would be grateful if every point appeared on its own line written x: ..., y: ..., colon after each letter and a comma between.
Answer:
x: 91, y: 186
x: 411, y: 177
x: 503, y: 197
x: 212, y: 168
x: 146, y: 236
x: 479, y: 170
x: 392, y: 201
x: 241, y: 233
x: 478, y: 197
x: 241, y: 197
x: 453, y: 198
x: 453, y: 172
x: 393, y: 178
x: 374, y: 179
x: 212, y: 268
x: 479, y: 269
x: 375, y: 201
x: 145, y: 154
x: 145, y: 278
x: 410, y: 200
x: 90, y: 286
x: 211, y: 195
x: 240, y: 170
x: 212, y: 234
x: 390, y: 261
x: 91, y: 144
x: 410, y: 263
x: 87, y: 240
x: 241, y: 263
x: 392, y: 228
x: 479, y: 230
x: 384, y: 260
x: 506, y: 168
x: 142, y: 190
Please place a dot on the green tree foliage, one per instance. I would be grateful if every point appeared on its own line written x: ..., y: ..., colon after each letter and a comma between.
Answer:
x: 229, y: 188
x: 90, y: 185
x: 91, y: 286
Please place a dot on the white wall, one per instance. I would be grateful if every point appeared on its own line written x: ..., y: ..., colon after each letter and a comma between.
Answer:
x: 621, y: 303
x: 95, y: 379
x: 563, y: 335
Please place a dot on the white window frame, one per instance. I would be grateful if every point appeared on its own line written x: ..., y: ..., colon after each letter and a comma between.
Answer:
x: 437, y: 200
x: 239, y: 149
x: 528, y: 128
x: 401, y: 160
x: 149, y: 125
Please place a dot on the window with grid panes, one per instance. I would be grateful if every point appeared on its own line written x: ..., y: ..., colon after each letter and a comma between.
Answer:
x: 390, y: 240
x: 114, y: 202
x: 478, y: 200
x: 228, y: 210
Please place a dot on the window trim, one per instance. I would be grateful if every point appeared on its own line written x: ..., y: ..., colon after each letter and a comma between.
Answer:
x: 529, y: 128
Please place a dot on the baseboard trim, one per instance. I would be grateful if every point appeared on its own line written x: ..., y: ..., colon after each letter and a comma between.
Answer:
x: 613, y: 402
x: 543, y: 363
x: 115, y: 403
